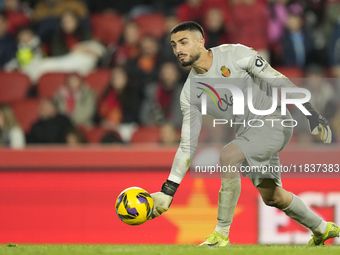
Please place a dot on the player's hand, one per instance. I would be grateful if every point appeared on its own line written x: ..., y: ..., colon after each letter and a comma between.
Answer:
x: 162, y: 200
x: 161, y: 203
x: 318, y: 124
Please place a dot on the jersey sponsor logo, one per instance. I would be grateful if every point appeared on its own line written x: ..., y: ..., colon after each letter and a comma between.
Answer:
x: 225, y: 71
x: 209, y: 93
x: 226, y: 101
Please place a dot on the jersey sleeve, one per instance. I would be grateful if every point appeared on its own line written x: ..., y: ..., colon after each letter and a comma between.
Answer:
x: 248, y: 59
x: 191, y: 127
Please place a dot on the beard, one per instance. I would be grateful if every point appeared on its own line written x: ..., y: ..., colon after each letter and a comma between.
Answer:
x: 191, y: 61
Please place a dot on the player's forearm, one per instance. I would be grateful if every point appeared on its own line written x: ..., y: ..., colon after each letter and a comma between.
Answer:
x: 162, y: 200
x: 185, y: 152
x: 191, y: 127
x: 180, y: 165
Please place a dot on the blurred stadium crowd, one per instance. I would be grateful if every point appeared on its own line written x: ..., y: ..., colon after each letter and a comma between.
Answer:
x: 78, y: 71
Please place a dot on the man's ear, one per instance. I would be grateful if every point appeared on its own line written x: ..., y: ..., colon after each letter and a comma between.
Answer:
x: 201, y: 42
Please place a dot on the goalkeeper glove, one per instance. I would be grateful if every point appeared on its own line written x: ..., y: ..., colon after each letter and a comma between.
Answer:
x: 318, y: 124
x: 162, y: 200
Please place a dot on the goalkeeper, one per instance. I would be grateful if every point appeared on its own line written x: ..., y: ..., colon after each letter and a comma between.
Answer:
x: 253, y: 146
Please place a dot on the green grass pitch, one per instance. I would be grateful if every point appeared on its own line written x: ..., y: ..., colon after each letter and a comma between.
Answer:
x: 168, y: 250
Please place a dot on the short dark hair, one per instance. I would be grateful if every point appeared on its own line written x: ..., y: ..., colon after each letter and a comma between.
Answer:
x: 188, y: 25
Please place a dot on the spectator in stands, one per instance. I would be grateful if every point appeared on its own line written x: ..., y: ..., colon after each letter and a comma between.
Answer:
x: 215, y: 28
x: 51, y: 127
x: 334, y: 51
x: 324, y: 103
x: 190, y: 10
x: 128, y: 47
x: 121, y: 7
x: 250, y: 21
x: 55, y: 8
x: 74, y: 138
x: 166, y: 7
x: 120, y: 102
x: 144, y: 68
x: 111, y: 138
x: 15, y: 15
x: 196, y: 10
x: 161, y: 103
x: 318, y: 85
x: 330, y: 17
x: 7, y: 42
x: 169, y: 135
x: 28, y: 51
x: 166, y: 53
x: 69, y: 34
x: 82, y: 59
x: 76, y: 100
x: 298, y: 45
x: 47, y: 13
x: 11, y: 134
x: 278, y: 14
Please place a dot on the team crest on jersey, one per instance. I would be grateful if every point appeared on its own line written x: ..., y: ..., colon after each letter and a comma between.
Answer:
x: 225, y: 71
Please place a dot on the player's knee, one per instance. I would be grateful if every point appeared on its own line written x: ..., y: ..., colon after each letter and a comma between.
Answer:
x: 274, y: 201
x: 224, y: 158
x: 231, y: 155
x: 227, y: 157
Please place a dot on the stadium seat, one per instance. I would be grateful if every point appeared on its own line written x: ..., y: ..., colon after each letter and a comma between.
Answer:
x: 26, y: 112
x: 107, y: 27
x: 13, y: 87
x: 93, y: 135
x: 146, y: 135
x: 98, y: 80
x: 151, y: 24
x: 49, y: 84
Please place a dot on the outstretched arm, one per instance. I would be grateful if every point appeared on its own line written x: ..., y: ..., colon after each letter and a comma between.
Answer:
x: 192, y: 121
x: 248, y: 59
x: 191, y: 127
